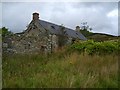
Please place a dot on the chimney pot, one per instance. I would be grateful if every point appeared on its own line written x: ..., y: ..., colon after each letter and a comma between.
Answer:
x: 35, y: 16
x: 78, y: 28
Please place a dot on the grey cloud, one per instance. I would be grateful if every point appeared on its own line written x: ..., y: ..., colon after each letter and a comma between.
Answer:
x: 17, y: 15
x: 94, y: 13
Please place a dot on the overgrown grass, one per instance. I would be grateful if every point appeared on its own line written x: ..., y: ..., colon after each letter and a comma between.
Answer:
x: 60, y: 70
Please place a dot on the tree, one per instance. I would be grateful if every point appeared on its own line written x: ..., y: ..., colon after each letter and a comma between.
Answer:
x: 85, y: 26
x: 85, y: 29
x: 6, y: 32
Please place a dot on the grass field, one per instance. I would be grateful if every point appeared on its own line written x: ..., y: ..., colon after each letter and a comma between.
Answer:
x: 60, y: 70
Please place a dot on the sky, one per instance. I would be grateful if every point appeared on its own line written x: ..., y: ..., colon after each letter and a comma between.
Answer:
x: 102, y: 17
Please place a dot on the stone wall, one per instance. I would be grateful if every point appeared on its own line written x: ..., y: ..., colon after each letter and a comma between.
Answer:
x: 36, y: 40
x: 31, y: 42
x: 40, y: 42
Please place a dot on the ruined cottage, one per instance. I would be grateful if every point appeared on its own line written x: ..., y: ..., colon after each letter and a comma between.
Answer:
x: 43, y: 36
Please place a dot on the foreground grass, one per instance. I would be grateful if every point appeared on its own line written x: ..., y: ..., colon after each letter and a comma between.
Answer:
x: 60, y: 70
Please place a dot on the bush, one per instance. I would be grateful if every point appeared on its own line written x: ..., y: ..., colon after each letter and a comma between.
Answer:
x: 91, y: 47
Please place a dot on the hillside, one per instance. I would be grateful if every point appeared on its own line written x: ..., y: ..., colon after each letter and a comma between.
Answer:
x: 102, y: 37
x: 98, y: 36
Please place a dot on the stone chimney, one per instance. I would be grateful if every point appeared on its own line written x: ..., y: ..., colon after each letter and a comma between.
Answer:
x: 35, y: 16
x: 77, y: 28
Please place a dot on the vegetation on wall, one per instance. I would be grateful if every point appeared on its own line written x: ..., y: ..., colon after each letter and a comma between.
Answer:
x: 62, y: 38
x: 6, y: 32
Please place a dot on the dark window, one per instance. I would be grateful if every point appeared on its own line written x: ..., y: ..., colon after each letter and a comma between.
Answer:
x: 43, y: 48
x: 53, y: 27
x: 65, y: 31
x: 77, y: 33
x: 73, y: 40
x: 27, y: 46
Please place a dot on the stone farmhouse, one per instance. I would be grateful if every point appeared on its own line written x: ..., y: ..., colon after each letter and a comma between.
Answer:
x: 43, y: 36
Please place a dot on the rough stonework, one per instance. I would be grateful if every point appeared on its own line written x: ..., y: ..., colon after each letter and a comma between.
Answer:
x: 41, y: 37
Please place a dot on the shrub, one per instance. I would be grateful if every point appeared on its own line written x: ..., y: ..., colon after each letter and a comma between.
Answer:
x: 91, y: 47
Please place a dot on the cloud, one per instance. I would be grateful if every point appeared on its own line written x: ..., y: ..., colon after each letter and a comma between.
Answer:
x: 93, y: 13
x: 101, y: 16
x: 113, y: 13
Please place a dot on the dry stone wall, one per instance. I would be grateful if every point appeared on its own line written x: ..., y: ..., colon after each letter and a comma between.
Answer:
x: 37, y: 40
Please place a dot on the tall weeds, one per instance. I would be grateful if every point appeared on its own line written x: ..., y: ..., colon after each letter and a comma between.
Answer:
x: 60, y: 70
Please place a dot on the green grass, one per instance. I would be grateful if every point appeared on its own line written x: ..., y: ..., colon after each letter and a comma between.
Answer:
x: 60, y: 70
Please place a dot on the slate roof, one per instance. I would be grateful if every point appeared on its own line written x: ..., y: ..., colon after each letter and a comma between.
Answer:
x: 56, y: 29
